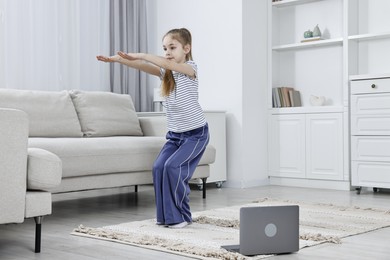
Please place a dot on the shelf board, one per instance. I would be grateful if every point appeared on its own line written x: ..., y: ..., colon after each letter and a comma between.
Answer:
x: 306, y: 110
x: 369, y: 76
x: 369, y: 36
x: 303, y: 45
x: 285, y: 3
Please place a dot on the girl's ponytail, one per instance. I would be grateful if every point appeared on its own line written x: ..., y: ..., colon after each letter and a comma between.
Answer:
x: 168, y: 83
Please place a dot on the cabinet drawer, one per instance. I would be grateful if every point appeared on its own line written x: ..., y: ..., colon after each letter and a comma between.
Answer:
x: 370, y: 148
x: 371, y: 174
x: 370, y: 124
x: 370, y: 86
x: 370, y: 104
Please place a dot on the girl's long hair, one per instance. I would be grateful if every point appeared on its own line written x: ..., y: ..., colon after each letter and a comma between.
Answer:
x: 183, y: 36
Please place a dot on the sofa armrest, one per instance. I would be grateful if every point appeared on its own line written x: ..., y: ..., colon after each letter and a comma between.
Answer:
x: 13, y: 162
x: 44, y: 170
x: 153, y: 125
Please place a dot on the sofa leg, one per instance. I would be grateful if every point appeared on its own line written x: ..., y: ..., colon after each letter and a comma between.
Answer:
x: 204, y: 187
x: 38, y: 222
x: 136, y: 188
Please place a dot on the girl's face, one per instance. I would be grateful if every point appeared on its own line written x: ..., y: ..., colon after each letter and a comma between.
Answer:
x: 174, y: 50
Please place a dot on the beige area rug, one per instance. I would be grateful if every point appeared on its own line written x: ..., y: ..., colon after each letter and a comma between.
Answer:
x: 319, y: 223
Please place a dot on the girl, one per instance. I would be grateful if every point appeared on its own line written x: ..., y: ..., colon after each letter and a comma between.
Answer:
x: 187, y: 135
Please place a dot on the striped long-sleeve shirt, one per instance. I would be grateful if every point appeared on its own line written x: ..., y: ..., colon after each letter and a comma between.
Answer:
x: 184, y: 112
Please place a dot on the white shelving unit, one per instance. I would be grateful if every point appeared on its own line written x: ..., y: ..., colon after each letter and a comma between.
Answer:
x: 307, y: 146
x: 356, y: 36
x: 313, y: 68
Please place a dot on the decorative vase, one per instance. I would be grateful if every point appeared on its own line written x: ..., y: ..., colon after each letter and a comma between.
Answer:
x: 317, y: 101
x: 316, y: 31
x: 308, y: 34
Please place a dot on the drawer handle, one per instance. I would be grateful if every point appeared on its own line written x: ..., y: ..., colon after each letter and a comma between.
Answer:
x: 373, y: 86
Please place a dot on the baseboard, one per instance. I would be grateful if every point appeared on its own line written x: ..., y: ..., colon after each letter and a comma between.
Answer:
x: 246, y: 183
x: 310, y: 183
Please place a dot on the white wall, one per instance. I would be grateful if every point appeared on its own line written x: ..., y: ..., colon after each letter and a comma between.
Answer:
x: 255, y: 73
x: 218, y: 48
x: 216, y: 44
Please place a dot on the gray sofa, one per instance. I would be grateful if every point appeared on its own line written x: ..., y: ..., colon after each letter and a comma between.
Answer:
x: 26, y: 174
x: 96, y: 138
x: 97, y: 135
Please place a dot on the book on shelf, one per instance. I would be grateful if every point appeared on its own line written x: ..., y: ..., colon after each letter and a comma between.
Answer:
x: 285, y: 97
x: 275, y: 98
x: 295, y: 97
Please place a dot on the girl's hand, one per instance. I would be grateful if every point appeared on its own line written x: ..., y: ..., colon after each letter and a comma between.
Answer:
x: 128, y: 56
x: 104, y: 58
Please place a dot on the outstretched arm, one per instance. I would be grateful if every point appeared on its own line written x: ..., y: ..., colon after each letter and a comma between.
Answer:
x: 136, y: 64
x: 160, y: 62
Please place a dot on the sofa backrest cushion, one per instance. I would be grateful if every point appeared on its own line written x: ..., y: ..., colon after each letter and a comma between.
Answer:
x: 106, y: 114
x: 50, y: 114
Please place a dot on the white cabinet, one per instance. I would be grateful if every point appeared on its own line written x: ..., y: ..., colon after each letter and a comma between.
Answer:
x: 368, y: 69
x: 306, y: 146
x: 217, y: 127
x: 354, y: 45
x: 370, y: 132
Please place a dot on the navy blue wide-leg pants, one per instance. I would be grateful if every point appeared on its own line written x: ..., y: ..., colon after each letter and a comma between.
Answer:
x: 172, y: 171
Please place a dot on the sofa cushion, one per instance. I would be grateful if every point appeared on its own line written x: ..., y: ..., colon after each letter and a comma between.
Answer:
x: 101, y: 155
x: 105, y: 113
x: 51, y: 114
x: 44, y: 170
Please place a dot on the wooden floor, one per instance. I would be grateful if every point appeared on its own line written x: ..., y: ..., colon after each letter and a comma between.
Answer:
x: 114, y: 206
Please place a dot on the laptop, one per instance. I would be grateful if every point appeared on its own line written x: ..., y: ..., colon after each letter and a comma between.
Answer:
x: 268, y: 230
